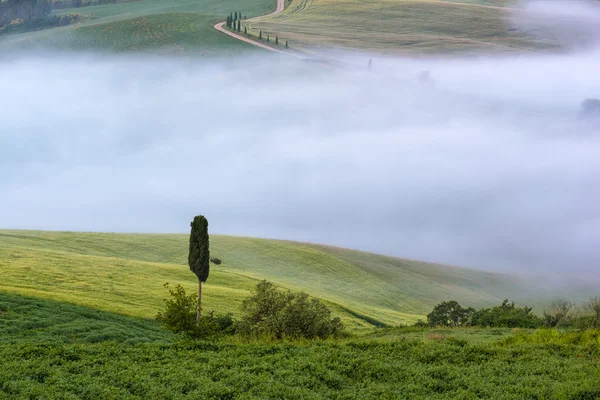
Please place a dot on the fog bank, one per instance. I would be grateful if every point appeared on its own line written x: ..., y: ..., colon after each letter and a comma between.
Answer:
x: 487, y: 165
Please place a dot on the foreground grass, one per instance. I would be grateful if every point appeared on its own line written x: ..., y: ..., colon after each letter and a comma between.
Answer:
x: 54, y: 350
x: 402, y: 26
x: 345, y: 370
x: 125, y: 273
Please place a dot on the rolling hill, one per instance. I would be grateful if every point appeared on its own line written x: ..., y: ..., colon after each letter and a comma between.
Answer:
x: 125, y: 273
x: 143, y: 25
x: 402, y: 26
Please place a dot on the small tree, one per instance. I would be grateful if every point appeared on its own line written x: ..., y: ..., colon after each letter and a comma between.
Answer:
x: 199, y: 257
x: 235, y: 17
x: 559, y: 313
x: 260, y: 35
x: 592, y: 307
x: 180, y: 311
x: 179, y: 316
x: 245, y: 30
x: 450, y: 313
x: 277, y: 314
x: 268, y: 38
x: 239, y: 27
x: 507, y: 315
x: 286, y: 44
x: 277, y: 40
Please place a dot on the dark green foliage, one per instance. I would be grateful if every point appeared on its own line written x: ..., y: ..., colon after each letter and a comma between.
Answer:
x: 286, y: 44
x: 450, y: 313
x: 239, y: 25
x: 277, y: 40
x: 216, y: 261
x: 180, y: 311
x: 360, y: 369
x: 76, y: 3
x: 199, y: 257
x: 260, y: 35
x: 268, y: 38
x: 245, y: 30
x: 235, y: 16
x: 26, y: 10
x: 46, y: 321
x: 506, y: 315
x: 421, y: 324
x: 179, y: 316
x: 42, y: 23
x: 228, y: 22
x: 558, y: 314
x: 592, y: 308
x: 277, y: 314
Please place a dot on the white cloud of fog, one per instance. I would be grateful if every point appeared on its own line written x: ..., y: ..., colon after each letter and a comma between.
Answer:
x: 489, y: 167
x: 575, y: 23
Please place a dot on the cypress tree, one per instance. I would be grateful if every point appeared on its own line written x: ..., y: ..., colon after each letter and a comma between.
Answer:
x: 260, y: 35
x: 245, y: 30
x: 277, y: 40
x: 199, y: 257
x: 228, y: 22
x: 286, y: 44
x: 239, y: 25
x: 268, y: 38
x: 235, y: 17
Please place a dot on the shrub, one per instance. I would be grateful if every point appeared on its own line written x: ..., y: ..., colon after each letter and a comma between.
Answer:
x: 450, y: 313
x: 421, y: 324
x: 216, y: 261
x: 506, y: 315
x: 277, y: 314
x: 179, y: 316
x: 559, y: 313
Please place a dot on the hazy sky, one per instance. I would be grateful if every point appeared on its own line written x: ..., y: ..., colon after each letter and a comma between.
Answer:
x: 489, y: 166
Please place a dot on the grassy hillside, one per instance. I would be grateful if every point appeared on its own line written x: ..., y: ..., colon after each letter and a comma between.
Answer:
x: 183, y: 25
x: 45, y: 321
x: 125, y: 273
x: 401, y: 26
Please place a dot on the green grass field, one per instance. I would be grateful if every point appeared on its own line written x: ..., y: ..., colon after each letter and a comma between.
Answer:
x: 125, y: 273
x: 401, y: 26
x: 106, y: 357
x: 59, y: 340
x: 388, y: 26
x: 142, y: 25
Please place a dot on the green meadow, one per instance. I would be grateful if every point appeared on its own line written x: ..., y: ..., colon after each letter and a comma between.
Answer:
x: 76, y: 322
x: 314, y: 26
x: 143, y: 25
x: 52, y: 350
x: 125, y: 273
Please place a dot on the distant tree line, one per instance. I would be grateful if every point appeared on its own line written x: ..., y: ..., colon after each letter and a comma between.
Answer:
x: 24, y: 11
x: 21, y: 15
x: 234, y: 23
x: 561, y: 313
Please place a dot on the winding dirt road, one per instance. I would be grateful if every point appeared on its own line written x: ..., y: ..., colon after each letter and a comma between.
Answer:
x: 280, y: 7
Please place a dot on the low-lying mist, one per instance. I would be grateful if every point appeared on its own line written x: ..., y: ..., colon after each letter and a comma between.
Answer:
x: 487, y: 164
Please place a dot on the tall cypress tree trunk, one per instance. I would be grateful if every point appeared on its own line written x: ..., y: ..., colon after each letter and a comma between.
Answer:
x: 199, y: 311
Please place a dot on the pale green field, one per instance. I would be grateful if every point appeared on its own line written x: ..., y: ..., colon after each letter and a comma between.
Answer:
x: 125, y: 273
x: 142, y: 25
x: 401, y: 26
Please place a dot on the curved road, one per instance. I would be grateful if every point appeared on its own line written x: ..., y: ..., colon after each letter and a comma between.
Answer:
x: 280, y: 7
